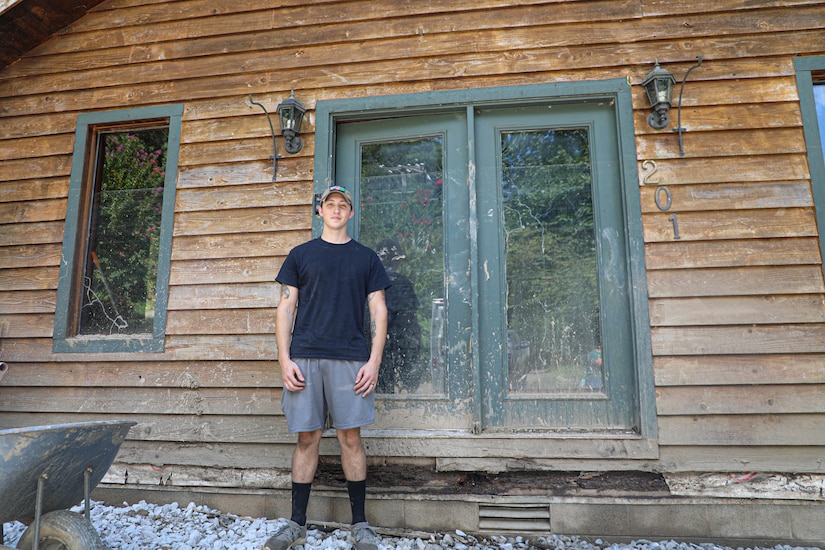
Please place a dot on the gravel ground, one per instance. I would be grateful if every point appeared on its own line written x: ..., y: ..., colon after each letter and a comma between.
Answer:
x: 145, y: 526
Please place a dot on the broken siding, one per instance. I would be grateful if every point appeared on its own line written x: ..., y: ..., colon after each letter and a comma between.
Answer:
x: 736, y: 303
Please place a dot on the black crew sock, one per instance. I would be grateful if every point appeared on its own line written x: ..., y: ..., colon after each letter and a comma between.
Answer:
x: 357, y: 497
x: 300, y: 500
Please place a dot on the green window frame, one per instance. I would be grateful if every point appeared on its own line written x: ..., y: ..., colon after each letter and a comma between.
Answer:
x: 329, y: 114
x: 66, y: 338
x: 810, y: 72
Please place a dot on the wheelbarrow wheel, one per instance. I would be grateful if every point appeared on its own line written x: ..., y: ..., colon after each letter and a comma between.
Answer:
x: 63, y: 530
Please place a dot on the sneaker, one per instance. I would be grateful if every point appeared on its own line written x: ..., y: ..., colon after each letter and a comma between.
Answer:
x: 287, y: 536
x: 364, y: 537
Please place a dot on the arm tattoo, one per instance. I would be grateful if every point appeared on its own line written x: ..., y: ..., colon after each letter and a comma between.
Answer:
x: 372, y: 329
x: 285, y: 292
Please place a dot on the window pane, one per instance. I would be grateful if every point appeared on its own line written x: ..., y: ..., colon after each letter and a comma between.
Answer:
x: 401, y: 219
x: 124, y: 230
x: 819, y: 99
x: 553, y: 337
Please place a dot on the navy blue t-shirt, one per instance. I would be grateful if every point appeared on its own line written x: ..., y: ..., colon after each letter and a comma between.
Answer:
x: 333, y: 281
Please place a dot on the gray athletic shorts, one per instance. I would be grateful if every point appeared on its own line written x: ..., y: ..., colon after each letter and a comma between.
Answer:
x: 329, y: 388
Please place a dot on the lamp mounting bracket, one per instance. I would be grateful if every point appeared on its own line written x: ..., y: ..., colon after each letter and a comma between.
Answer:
x: 272, y: 131
x: 679, y: 110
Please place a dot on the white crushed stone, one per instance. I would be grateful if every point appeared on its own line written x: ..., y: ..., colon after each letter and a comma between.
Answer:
x: 145, y: 526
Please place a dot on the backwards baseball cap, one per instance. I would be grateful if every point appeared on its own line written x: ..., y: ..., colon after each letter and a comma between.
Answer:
x: 343, y: 191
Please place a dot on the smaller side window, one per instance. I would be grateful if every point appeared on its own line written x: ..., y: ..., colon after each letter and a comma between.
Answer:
x: 819, y: 101
x: 116, y: 249
x: 810, y: 81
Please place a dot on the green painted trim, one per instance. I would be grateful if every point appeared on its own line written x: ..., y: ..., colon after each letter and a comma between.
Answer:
x: 66, y: 343
x: 331, y: 112
x: 643, y: 347
x: 804, y: 66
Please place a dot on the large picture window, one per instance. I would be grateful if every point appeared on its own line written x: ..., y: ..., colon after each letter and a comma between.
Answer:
x: 118, y: 232
x: 810, y: 80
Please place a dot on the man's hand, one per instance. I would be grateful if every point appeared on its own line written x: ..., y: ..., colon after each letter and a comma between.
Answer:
x: 366, y: 379
x: 291, y: 375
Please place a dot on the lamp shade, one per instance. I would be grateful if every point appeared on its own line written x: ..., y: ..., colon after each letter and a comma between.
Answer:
x: 659, y: 86
x: 291, y: 114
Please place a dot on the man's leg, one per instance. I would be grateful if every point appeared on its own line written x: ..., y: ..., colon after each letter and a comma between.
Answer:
x: 304, y: 465
x: 354, y: 463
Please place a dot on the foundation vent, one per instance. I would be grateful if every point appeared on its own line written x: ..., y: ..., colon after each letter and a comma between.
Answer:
x: 521, y: 518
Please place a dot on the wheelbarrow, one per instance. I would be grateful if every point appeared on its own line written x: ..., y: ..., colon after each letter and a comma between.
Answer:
x: 45, y: 470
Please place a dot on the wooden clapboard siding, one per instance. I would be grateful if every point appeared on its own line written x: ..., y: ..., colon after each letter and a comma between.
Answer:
x: 731, y: 253
x: 736, y: 304
x: 795, y: 368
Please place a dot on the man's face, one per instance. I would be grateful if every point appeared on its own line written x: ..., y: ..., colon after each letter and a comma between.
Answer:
x: 335, y: 211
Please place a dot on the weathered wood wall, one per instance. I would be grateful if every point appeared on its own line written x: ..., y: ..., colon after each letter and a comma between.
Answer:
x: 737, y: 303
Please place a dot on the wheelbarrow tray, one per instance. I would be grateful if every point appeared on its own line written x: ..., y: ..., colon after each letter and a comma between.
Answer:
x: 60, y: 452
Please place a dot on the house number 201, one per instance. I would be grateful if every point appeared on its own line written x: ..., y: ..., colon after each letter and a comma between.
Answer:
x: 662, y: 197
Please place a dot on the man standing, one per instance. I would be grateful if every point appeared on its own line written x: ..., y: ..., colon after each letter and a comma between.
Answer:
x: 328, y: 365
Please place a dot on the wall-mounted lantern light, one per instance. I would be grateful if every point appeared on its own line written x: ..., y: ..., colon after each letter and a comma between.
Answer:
x: 290, y: 114
x: 659, y: 87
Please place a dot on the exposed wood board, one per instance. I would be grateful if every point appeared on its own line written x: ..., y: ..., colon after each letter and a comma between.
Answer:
x: 239, y: 245
x: 738, y: 310
x: 34, y: 189
x: 28, y: 301
x: 27, y: 325
x: 242, y: 173
x: 43, y: 167
x: 160, y: 401
x: 691, y: 458
x: 735, y: 458
x: 739, y: 369
x: 662, y: 7
x: 193, y: 429
x: 33, y: 211
x: 732, y: 253
x: 194, y: 476
x: 748, y: 485
x: 728, y: 196
x: 29, y: 278
x: 225, y: 455
x: 250, y: 347
x: 746, y: 429
x: 224, y: 270
x: 20, y: 256
x: 226, y: 296
x: 229, y: 321
x: 739, y: 340
x: 678, y: 170
x: 241, y: 220
x: 243, y: 196
x: 741, y: 399
x: 736, y: 281
x: 148, y: 374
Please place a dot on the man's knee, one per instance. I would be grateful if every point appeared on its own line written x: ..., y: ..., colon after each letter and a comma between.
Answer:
x: 307, y: 440
x: 350, y: 439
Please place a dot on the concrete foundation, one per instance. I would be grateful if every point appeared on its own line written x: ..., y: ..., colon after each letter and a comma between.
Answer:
x: 731, y: 522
